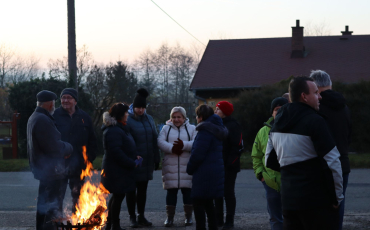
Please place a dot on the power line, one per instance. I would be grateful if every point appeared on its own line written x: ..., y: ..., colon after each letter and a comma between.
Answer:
x: 178, y: 23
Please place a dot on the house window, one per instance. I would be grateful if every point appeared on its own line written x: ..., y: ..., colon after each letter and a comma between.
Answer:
x: 212, y: 103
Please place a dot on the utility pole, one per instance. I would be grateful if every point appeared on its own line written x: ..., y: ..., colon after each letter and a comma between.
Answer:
x: 72, y: 58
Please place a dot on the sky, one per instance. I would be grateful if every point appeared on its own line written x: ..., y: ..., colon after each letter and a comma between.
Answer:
x: 122, y: 29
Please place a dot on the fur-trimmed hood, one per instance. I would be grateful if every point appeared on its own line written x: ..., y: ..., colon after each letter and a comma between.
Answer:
x: 108, y: 120
x: 215, y: 126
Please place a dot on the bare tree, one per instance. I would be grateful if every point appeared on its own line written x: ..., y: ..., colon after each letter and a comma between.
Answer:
x: 145, y: 69
x: 317, y: 29
x: 6, y: 62
x: 162, y: 63
x: 59, y: 68
x: 16, y: 67
x: 98, y: 88
x: 24, y: 68
x: 197, y: 51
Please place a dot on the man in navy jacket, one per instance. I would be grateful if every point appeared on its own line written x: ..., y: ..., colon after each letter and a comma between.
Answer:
x: 77, y: 129
x: 337, y: 116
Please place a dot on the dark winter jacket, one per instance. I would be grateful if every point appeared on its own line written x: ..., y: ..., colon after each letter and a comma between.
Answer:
x: 142, y: 129
x: 77, y: 130
x: 231, y: 146
x: 45, y: 149
x: 206, y: 163
x: 337, y: 116
x: 301, y: 147
x: 118, y: 167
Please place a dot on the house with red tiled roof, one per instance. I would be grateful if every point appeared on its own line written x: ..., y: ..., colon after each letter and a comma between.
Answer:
x: 231, y: 66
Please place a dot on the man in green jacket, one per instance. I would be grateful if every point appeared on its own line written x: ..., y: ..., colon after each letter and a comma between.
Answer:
x: 269, y: 178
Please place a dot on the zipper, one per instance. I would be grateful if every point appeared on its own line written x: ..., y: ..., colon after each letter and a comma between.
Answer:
x: 178, y: 163
x: 146, y: 137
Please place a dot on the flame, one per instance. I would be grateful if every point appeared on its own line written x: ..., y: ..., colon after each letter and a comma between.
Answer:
x: 92, y: 195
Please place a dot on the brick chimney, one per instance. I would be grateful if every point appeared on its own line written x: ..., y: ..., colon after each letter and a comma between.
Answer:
x: 297, y: 41
x: 347, y: 32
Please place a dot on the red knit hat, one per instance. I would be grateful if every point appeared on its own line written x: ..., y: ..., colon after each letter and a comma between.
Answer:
x: 226, y: 107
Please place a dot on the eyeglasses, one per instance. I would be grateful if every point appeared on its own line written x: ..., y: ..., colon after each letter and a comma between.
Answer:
x: 66, y: 98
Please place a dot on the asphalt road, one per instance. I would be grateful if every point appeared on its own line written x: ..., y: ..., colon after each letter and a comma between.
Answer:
x: 19, y: 191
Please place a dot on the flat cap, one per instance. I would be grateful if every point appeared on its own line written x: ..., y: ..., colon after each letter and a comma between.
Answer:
x: 46, y: 95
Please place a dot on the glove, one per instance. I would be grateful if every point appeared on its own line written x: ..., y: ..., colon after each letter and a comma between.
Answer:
x: 139, y: 162
x: 156, y: 166
x: 179, y: 143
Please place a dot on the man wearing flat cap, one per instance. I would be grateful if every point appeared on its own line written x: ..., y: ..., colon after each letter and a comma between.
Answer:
x: 76, y: 128
x: 47, y: 153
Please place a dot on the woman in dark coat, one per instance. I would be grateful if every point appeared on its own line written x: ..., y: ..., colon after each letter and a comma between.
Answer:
x: 118, y: 175
x: 142, y: 128
x: 206, y: 166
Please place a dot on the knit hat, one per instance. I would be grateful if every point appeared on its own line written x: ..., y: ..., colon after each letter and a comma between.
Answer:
x: 71, y: 92
x: 279, y: 101
x: 140, y: 98
x: 46, y: 95
x: 226, y: 107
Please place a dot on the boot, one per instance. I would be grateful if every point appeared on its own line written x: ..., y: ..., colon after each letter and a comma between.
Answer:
x: 141, y: 220
x: 170, y: 210
x: 133, y: 221
x: 200, y: 217
x: 219, y: 210
x: 116, y: 225
x: 229, y: 224
x: 188, y: 209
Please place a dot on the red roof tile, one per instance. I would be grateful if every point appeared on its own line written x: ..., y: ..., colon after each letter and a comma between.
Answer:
x: 256, y: 62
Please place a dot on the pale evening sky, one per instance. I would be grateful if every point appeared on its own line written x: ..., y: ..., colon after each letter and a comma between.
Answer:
x: 122, y: 29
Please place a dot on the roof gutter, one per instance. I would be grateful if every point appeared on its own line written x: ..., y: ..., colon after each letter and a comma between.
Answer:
x: 199, y: 98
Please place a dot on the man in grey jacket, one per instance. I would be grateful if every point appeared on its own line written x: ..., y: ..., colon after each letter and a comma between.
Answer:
x: 47, y: 154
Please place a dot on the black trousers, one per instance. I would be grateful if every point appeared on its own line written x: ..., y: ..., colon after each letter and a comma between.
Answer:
x: 171, y: 198
x: 316, y: 219
x: 201, y: 208
x: 49, y: 203
x: 114, y: 206
x: 75, y: 184
x: 229, y: 194
x: 137, y: 197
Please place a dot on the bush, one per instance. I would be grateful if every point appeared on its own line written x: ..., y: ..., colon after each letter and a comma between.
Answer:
x: 252, y: 109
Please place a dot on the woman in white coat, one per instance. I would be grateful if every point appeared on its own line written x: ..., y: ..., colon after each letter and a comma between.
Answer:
x: 176, y: 140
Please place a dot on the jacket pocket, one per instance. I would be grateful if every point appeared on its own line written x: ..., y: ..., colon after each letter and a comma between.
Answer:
x: 270, y: 180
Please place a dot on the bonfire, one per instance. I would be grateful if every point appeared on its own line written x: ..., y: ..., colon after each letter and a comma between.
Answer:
x: 91, y: 207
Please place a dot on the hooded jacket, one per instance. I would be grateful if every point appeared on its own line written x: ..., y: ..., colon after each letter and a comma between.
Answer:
x: 337, y: 117
x: 142, y: 129
x: 301, y: 147
x: 118, y: 166
x: 77, y: 130
x: 174, y: 166
x: 45, y: 149
x: 272, y: 178
x: 206, y: 163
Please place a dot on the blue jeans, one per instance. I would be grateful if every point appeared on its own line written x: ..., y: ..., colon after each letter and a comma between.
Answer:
x: 274, y: 207
x: 341, y: 207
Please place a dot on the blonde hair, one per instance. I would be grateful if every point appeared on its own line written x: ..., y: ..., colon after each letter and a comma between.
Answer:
x: 178, y: 109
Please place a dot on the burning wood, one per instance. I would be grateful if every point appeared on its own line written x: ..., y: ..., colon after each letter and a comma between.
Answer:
x: 92, y: 201
x: 95, y: 218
